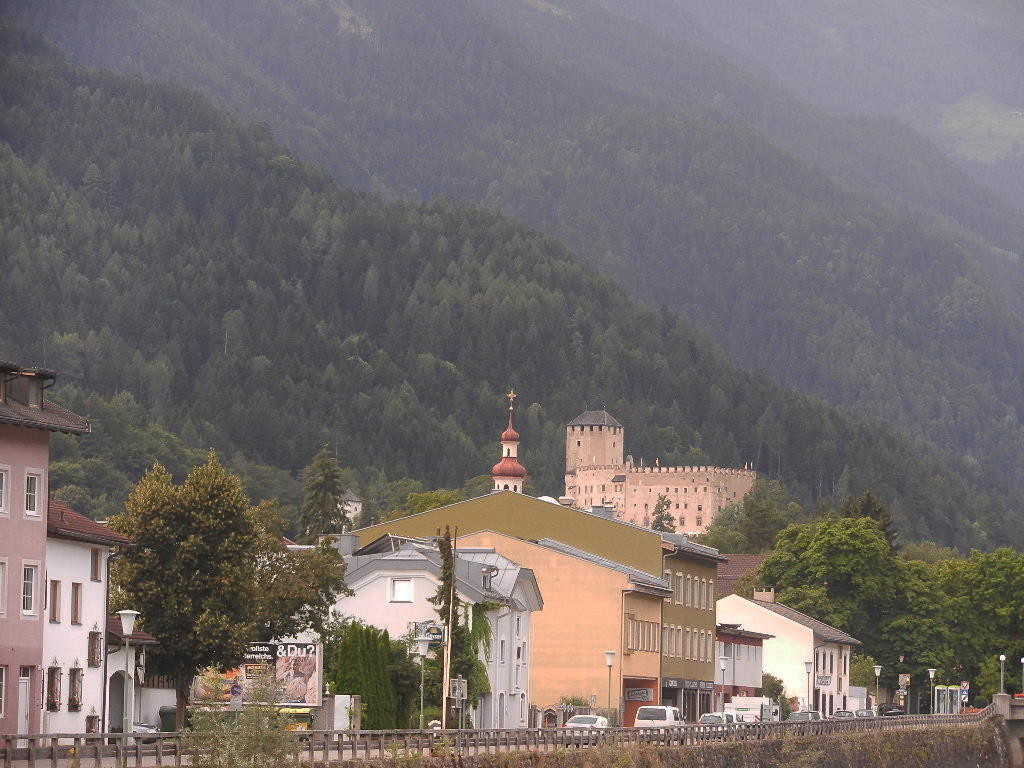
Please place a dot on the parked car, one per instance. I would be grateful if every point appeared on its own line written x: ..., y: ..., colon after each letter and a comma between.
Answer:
x: 807, y: 715
x: 717, y: 718
x: 587, y: 721
x: 890, y: 710
x: 864, y: 713
x: 842, y: 714
x: 658, y: 717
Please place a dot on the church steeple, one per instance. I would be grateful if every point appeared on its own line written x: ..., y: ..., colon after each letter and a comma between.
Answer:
x: 508, y: 473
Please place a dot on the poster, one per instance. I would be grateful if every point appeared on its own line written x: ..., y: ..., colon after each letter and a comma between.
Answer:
x: 298, y: 672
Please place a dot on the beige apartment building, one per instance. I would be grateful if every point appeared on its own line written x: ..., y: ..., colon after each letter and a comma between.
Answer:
x: 598, y: 474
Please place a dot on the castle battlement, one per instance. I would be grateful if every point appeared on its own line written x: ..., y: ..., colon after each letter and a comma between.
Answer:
x: 594, y: 455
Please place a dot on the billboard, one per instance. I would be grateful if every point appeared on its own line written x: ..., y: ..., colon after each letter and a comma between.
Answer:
x: 298, y: 672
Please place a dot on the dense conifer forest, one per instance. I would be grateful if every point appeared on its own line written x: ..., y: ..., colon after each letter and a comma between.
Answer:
x: 845, y: 257
x: 189, y: 276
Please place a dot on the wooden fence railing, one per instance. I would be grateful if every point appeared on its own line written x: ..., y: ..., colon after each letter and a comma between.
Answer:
x: 171, y: 749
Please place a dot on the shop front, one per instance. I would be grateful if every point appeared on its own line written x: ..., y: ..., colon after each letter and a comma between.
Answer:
x: 636, y: 692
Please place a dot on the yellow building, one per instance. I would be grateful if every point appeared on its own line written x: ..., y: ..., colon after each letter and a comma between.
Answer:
x: 605, y: 587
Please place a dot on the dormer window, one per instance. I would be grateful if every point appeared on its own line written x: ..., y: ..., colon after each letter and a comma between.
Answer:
x: 35, y: 392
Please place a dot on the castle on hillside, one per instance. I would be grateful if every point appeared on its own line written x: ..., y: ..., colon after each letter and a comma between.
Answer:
x: 597, y: 475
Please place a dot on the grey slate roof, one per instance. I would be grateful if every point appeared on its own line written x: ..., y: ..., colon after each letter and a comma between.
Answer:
x: 422, y: 555
x: 821, y: 630
x: 594, y: 418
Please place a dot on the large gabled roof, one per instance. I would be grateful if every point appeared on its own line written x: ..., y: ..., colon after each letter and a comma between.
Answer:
x: 62, y: 522
x: 732, y: 569
x: 48, y: 416
x: 595, y: 419
x: 821, y: 630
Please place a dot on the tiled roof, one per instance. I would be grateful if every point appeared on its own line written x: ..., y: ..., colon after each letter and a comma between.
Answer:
x: 594, y: 418
x: 50, y: 416
x: 116, y: 636
x: 62, y: 522
x: 821, y: 630
x: 733, y: 569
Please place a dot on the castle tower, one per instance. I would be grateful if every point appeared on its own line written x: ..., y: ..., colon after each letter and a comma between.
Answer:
x: 508, y: 473
x: 594, y: 438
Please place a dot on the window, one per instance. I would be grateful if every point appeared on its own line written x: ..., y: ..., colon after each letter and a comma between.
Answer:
x: 76, y: 603
x: 711, y: 594
x: 401, y: 590
x: 54, y: 601
x: 95, y: 564
x: 94, y: 650
x: 28, y: 589
x: 679, y: 588
x: 53, y: 675
x: 32, y: 484
x: 689, y: 590
x: 703, y: 587
x: 3, y: 689
x: 75, y: 689
x: 3, y: 492
x: 3, y: 586
x: 501, y: 650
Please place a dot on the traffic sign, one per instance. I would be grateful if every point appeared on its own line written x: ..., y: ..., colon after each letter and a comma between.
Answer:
x: 459, y: 689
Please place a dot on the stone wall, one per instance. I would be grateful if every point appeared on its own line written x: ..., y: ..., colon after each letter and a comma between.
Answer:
x: 977, y: 745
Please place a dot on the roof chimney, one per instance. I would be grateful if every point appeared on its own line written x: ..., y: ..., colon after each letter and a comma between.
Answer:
x: 765, y: 595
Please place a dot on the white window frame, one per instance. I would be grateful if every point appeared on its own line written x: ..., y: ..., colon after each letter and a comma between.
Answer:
x: 395, y: 581
x: 5, y: 490
x: 3, y: 689
x: 36, y: 567
x: 40, y: 492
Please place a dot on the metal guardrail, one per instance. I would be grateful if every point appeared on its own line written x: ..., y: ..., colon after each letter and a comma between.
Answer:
x: 172, y: 749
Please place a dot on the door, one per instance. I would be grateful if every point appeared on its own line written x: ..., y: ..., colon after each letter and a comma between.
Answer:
x: 24, y: 707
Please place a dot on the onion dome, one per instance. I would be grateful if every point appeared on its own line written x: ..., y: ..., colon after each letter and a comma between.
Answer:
x: 510, y: 435
x: 509, y: 466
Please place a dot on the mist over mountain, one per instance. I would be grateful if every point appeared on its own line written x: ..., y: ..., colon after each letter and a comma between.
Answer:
x: 155, y: 245
x: 868, y: 270
x: 949, y: 68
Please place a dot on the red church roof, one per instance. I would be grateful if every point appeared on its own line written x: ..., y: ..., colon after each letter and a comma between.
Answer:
x: 508, y: 467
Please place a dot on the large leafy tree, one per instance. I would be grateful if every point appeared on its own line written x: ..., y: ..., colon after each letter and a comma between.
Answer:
x: 193, y: 570
x: 322, y: 489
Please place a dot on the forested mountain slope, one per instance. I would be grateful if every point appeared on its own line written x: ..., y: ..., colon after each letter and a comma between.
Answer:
x: 156, y: 246
x: 872, y: 307
x: 950, y: 68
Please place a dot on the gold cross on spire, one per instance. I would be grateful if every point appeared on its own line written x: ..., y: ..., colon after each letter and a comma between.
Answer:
x: 511, y: 398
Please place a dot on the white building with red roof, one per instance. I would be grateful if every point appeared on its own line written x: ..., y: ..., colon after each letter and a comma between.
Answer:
x: 77, y: 550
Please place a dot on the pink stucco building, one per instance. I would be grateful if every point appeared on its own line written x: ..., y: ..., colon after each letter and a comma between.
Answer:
x: 26, y: 421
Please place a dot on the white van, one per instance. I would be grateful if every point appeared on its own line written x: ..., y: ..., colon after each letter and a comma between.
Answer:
x: 658, y: 717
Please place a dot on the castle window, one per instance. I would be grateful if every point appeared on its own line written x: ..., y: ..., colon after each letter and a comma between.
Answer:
x: 578, y: 443
x: 677, y: 505
x: 700, y: 521
x: 700, y: 507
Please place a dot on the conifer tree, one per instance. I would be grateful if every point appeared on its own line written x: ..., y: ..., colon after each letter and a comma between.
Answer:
x: 663, y: 520
x: 321, y: 510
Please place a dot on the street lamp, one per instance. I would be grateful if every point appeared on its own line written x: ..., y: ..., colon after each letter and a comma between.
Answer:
x: 127, y: 627
x: 609, y: 659
x: 1002, y: 670
x: 1022, y: 675
x: 723, y: 661
x: 422, y: 647
x: 878, y: 672
x: 808, y: 665
x: 931, y: 678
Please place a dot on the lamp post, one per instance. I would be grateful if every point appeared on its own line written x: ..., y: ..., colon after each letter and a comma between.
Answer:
x: 808, y: 665
x: 1022, y: 675
x: 422, y: 647
x: 722, y: 662
x: 878, y: 673
x: 127, y: 627
x: 1002, y: 670
x: 931, y: 680
x: 609, y: 659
